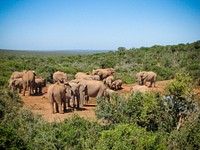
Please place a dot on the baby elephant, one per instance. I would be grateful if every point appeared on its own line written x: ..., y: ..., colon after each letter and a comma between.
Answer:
x: 139, y: 88
x: 39, y: 84
x: 117, y: 84
x: 16, y: 84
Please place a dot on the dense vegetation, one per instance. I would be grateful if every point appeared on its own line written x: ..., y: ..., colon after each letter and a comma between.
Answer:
x: 139, y: 121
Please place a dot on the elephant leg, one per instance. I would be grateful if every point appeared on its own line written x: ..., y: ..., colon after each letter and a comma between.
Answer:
x: 36, y: 90
x: 40, y: 89
x: 20, y: 90
x: 57, y: 107
x: 154, y: 84
x: 24, y: 88
x: 73, y: 101
x: 82, y: 97
x: 60, y: 108
x: 86, y: 99
x: 68, y: 102
x: 29, y: 89
x: 52, y: 108
x: 144, y: 82
x: 150, y: 84
x: 78, y: 101
x: 64, y: 105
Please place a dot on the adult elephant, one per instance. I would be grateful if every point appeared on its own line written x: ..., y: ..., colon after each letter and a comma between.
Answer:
x: 146, y: 76
x: 90, y: 88
x: 57, y: 95
x: 28, y: 80
x: 138, y: 77
x: 16, y: 84
x: 74, y: 93
x: 103, y: 73
x: 39, y: 84
x: 16, y: 75
x: 60, y: 77
x: 86, y: 76
x: 79, y: 74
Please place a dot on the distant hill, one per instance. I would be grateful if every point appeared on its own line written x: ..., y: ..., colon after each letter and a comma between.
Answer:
x: 42, y: 53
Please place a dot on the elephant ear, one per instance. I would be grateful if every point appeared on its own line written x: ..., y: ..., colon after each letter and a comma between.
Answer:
x: 144, y: 75
x: 34, y: 73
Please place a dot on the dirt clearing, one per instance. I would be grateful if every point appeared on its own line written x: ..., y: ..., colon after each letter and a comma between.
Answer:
x: 39, y: 104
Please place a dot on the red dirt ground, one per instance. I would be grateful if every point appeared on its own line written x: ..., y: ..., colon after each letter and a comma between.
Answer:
x: 40, y: 105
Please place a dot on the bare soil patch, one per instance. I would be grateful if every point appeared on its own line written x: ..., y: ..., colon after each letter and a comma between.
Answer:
x: 39, y: 104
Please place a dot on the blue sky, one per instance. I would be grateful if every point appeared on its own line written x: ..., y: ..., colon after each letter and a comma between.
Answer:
x: 97, y: 24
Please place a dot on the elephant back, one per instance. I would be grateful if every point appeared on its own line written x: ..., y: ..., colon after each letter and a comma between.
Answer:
x: 60, y: 77
x: 29, y: 76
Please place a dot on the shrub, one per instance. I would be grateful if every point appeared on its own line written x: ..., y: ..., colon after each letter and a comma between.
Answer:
x: 188, y: 136
x: 142, y: 109
x: 129, y: 136
x: 179, y: 101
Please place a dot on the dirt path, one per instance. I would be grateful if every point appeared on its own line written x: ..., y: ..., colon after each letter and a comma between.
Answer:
x: 41, y: 106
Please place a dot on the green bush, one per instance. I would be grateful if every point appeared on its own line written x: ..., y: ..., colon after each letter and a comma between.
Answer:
x: 142, y: 109
x: 129, y: 136
x: 188, y: 136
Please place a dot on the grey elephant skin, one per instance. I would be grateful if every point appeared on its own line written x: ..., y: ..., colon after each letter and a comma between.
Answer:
x: 90, y: 88
x: 117, y: 84
x: 16, y: 84
x: 86, y: 76
x: 28, y: 80
x: 59, y: 76
x: 57, y: 95
x: 103, y: 73
x: 74, y: 93
x: 146, y: 76
x: 108, y: 81
x: 139, y: 88
x: 39, y: 84
x: 16, y: 74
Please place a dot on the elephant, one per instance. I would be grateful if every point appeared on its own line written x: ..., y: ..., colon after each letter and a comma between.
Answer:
x: 108, y: 81
x: 108, y: 93
x: 86, y: 76
x: 117, y: 84
x: 16, y: 74
x: 57, y: 94
x: 103, y: 73
x: 39, y: 84
x: 138, y: 78
x: 144, y: 76
x: 16, y: 84
x: 28, y: 81
x: 139, y: 88
x: 79, y: 74
x: 74, y: 93
x: 59, y: 76
x: 90, y: 88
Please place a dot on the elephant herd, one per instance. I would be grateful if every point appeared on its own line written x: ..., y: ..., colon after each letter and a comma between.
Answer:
x: 78, y: 90
x: 26, y: 80
x: 98, y: 83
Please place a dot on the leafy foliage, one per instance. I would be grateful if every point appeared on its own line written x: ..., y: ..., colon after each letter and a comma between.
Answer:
x: 128, y: 136
x: 137, y: 121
